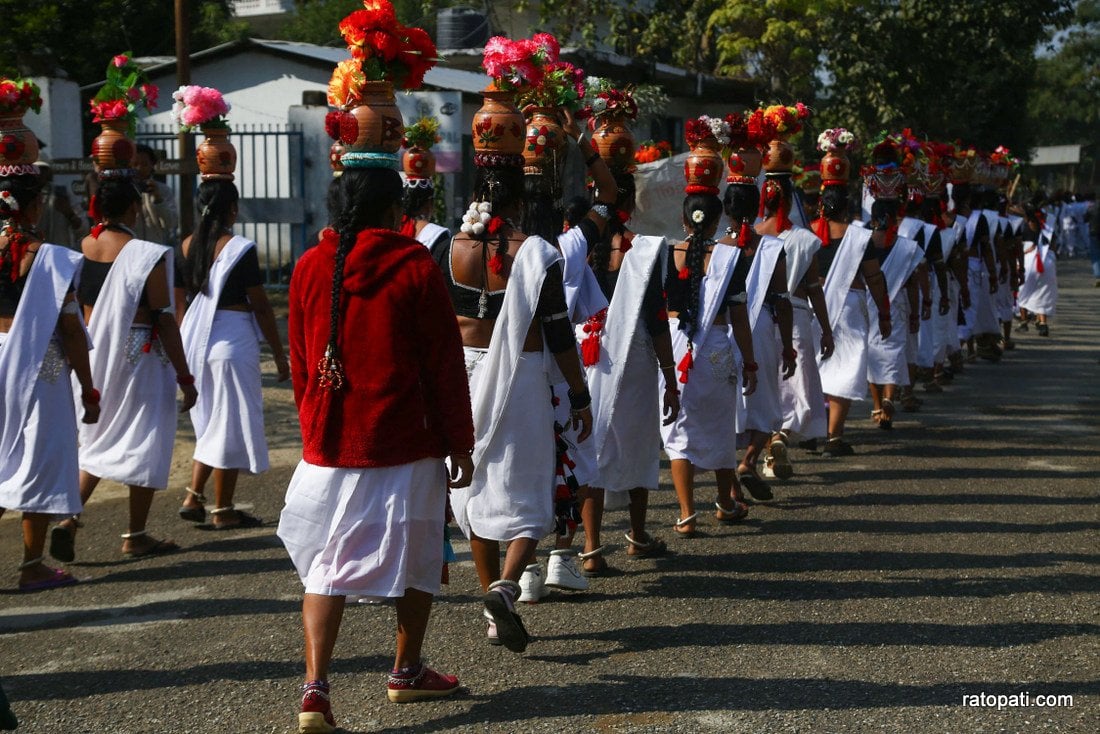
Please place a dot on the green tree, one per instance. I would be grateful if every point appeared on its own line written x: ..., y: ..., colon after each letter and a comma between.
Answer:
x: 79, y: 37
x: 946, y: 69
x: 1063, y: 100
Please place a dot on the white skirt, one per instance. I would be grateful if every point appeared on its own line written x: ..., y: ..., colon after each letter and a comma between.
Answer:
x: 583, y: 453
x: 844, y: 375
x: 134, y: 446
x: 763, y: 410
x: 981, y: 317
x: 801, y: 397
x: 512, y: 495
x: 631, y: 454
x: 926, y: 337
x: 950, y: 324
x: 368, y: 532
x: 234, y: 435
x: 1039, y: 293
x: 886, y: 358
x: 42, y: 474
x: 705, y: 431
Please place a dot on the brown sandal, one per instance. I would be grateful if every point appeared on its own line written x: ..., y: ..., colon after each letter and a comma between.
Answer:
x: 653, y: 549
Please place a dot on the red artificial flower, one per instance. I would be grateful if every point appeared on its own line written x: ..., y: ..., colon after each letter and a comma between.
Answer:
x: 494, y: 225
x: 120, y: 61
x: 151, y: 95
x: 684, y: 273
x: 112, y: 109
x: 496, y: 264
x: 332, y: 124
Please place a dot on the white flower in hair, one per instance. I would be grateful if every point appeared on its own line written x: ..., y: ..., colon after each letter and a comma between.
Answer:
x: 477, y: 228
x: 698, y: 216
x: 466, y: 228
x: 9, y: 200
x: 484, y: 217
x: 485, y: 207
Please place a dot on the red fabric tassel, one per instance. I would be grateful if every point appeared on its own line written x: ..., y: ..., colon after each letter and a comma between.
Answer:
x: 1039, y: 259
x: 408, y: 226
x: 686, y: 364
x: 745, y: 235
x: 684, y: 274
x: 590, y: 346
x: 821, y: 229
x: 98, y: 230
x: 496, y: 264
x: 93, y: 208
x: 783, y: 220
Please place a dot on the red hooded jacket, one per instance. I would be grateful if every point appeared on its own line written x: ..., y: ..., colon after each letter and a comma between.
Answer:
x: 406, y: 396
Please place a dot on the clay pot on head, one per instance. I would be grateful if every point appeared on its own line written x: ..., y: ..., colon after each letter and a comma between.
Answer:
x: 614, y: 141
x: 18, y: 145
x: 703, y: 168
x: 545, y: 141
x: 418, y: 162
x: 835, y: 168
x: 962, y: 169
x: 111, y: 148
x: 779, y: 157
x: 499, y: 127
x: 378, y: 121
x: 744, y: 165
x: 216, y: 156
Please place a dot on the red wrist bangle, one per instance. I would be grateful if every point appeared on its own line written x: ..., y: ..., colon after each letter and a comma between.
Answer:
x: 185, y: 380
x: 91, y: 398
x: 750, y: 367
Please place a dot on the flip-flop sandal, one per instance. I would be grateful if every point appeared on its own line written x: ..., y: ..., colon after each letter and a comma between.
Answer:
x: 193, y: 514
x: 246, y: 521
x: 756, y: 486
x: 653, y: 549
x: 63, y: 544
x: 727, y: 517
x: 159, y: 548
x: 683, y: 523
x: 56, y: 580
x: 602, y: 570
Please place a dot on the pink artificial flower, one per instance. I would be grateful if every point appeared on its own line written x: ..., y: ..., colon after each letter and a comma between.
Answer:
x: 121, y: 60
x: 549, y: 44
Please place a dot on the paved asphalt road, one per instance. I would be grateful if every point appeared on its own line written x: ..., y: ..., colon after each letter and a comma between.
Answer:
x: 955, y: 556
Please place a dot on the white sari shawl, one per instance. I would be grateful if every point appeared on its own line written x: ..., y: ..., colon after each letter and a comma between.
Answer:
x: 494, y: 389
x: 760, y: 274
x: 197, y: 323
x: 623, y: 321
x: 801, y: 245
x: 845, y: 267
x: 51, y: 276
x: 431, y: 234
x: 712, y: 290
x: 582, y: 291
x: 111, y: 321
x: 903, y: 259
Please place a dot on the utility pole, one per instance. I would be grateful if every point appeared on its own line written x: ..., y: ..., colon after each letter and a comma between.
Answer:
x: 186, y: 144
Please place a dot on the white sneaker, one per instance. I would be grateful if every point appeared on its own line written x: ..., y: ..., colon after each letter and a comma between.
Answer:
x: 531, y: 587
x: 562, y: 571
x: 769, y: 469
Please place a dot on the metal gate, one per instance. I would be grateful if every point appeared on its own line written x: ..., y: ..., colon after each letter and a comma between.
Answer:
x: 270, y: 176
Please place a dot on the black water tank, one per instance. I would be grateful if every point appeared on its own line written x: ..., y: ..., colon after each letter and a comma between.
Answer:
x: 461, y: 28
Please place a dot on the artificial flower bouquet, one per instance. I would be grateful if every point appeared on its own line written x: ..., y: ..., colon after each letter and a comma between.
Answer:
x: 651, y: 151
x: 19, y: 95
x: 126, y: 94
x: 533, y: 69
x: 199, y: 107
x: 382, y: 49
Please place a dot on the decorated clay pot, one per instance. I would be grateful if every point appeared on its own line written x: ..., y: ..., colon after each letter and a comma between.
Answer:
x: 614, y: 141
x: 216, y: 156
x: 744, y: 165
x: 835, y: 168
x: 499, y: 126
x: 378, y: 121
x: 545, y: 139
x: 334, y: 152
x: 886, y: 184
x: 962, y: 169
x: 703, y: 168
x: 418, y: 162
x: 111, y: 148
x: 18, y: 145
x: 778, y: 157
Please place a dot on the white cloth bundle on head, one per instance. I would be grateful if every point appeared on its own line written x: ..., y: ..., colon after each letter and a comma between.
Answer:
x: 133, y: 440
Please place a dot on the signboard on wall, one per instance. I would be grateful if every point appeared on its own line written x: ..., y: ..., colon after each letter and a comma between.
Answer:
x: 447, y: 108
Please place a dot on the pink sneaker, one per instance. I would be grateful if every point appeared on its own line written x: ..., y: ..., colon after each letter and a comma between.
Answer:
x: 420, y: 686
x: 316, y: 715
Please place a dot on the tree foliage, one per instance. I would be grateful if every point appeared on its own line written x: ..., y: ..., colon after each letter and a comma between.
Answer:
x: 1066, y: 96
x: 946, y: 69
x: 79, y: 37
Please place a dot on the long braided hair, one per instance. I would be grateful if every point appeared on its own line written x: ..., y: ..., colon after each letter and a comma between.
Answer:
x: 414, y: 198
x: 711, y: 207
x: 502, y: 187
x: 741, y: 202
x: 215, y: 202
x: 357, y: 200
x: 17, y: 193
x: 542, y: 211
